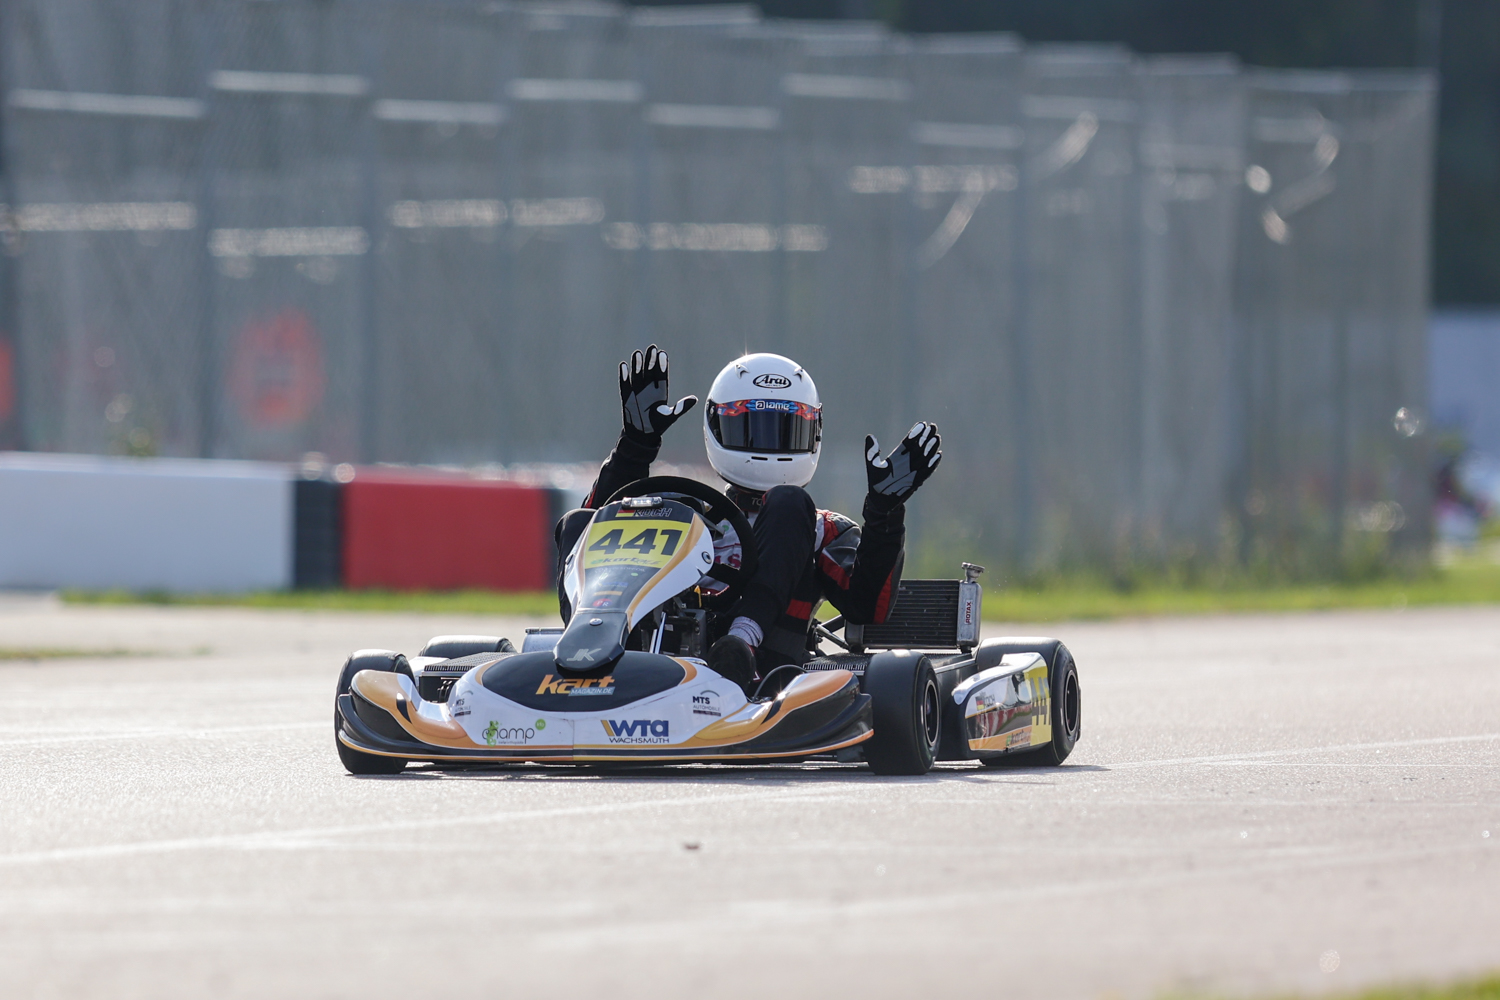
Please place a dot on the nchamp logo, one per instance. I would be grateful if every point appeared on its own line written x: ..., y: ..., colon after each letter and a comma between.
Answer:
x: 495, y: 736
x: 637, y: 730
x: 770, y: 380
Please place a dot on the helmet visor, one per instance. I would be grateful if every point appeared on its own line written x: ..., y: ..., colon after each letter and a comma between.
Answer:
x: 776, y: 426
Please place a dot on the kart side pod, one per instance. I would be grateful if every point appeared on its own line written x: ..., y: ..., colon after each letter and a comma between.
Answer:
x: 1015, y: 700
x: 1002, y: 708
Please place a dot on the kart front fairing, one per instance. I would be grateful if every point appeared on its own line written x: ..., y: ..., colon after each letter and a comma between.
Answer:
x: 516, y: 706
x: 635, y: 556
x: 588, y: 698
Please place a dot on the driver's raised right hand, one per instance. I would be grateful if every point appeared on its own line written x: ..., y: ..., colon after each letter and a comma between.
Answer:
x: 644, y: 398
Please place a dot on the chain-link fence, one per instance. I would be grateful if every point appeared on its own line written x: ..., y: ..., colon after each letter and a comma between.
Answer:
x: 1164, y: 309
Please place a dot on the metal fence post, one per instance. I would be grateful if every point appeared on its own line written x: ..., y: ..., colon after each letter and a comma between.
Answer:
x: 1020, y: 360
x: 211, y: 34
x: 370, y: 382
x: 12, y: 425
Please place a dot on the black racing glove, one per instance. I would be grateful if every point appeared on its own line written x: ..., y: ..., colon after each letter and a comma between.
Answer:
x: 896, y: 477
x: 643, y: 396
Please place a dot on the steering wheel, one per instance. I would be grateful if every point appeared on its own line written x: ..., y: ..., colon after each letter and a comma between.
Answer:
x: 720, y: 509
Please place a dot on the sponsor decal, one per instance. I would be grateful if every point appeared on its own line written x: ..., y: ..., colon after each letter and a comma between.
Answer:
x: 743, y: 406
x: 459, y: 707
x: 771, y: 380
x: 1019, y: 738
x: 662, y: 512
x: 637, y: 730
x: 584, y: 656
x: 494, y: 735
x: 574, y: 688
x: 706, y: 703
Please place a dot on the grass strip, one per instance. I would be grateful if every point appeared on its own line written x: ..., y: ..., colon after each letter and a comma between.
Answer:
x: 1476, y: 989
x: 1487, y: 988
x: 37, y: 653
x: 458, y: 602
x: 1465, y: 583
x: 1065, y: 599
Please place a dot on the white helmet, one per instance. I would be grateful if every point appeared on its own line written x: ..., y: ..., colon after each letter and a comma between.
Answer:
x: 763, y: 424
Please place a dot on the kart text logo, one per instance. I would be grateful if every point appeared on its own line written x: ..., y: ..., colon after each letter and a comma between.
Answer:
x: 637, y: 730
x: 585, y: 686
x: 772, y: 381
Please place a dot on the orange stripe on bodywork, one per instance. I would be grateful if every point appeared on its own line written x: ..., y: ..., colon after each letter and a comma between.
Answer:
x: 383, y: 689
x: 695, y: 532
x: 479, y: 672
x: 804, y: 691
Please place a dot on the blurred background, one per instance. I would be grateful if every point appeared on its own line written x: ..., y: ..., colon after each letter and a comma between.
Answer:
x: 1165, y: 273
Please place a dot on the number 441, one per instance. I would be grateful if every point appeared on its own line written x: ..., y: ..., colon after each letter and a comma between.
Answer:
x: 644, y: 543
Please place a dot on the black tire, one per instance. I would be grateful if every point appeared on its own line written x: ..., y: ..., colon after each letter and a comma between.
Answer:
x: 907, y: 706
x: 357, y: 761
x: 451, y: 647
x: 1067, y: 717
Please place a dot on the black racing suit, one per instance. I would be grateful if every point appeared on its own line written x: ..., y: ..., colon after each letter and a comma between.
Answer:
x: 806, y: 556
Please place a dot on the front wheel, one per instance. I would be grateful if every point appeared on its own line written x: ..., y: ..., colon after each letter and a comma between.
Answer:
x: 903, y: 691
x: 357, y: 761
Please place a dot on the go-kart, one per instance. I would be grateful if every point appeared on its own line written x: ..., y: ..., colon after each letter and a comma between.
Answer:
x: 625, y: 681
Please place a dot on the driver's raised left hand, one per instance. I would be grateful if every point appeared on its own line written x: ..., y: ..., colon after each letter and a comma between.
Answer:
x: 895, y: 477
x: 644, y: 397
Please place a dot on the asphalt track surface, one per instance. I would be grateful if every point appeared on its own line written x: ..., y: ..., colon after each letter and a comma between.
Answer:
x: 1258, y: 804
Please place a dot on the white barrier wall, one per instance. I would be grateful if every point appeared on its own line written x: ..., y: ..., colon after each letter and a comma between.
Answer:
x: 143, y: 524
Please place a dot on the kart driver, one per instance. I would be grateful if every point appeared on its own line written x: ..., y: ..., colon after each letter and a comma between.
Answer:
x: 763, y: 427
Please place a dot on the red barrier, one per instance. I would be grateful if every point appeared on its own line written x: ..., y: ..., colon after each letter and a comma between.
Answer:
x: 424, y: 531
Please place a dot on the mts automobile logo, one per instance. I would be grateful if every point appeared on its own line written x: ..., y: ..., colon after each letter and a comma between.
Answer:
x: 771, y: 380
x: 706, y: 703
x: 637, y: 730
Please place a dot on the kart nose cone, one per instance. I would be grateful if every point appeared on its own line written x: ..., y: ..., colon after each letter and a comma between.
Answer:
x: 593, y: 639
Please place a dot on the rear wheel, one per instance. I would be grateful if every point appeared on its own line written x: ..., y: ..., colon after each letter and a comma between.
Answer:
x: 1067, y: 717
x: 357, y: 761
x: 903, y: 690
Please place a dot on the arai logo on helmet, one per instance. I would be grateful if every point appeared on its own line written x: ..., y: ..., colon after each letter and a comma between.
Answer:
x: 770, y: 380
